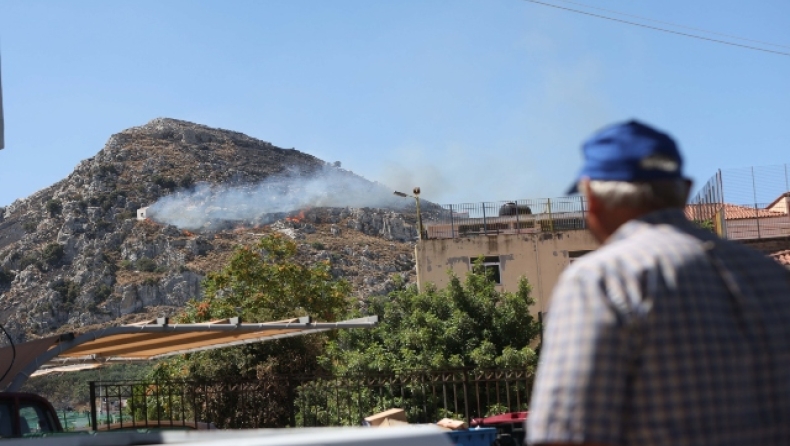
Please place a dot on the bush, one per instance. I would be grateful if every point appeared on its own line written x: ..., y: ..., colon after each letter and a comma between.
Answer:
x: 30, y: 259
x: 105, y: 169
x: 164, y: 183
x: 69, y: 292
x: 103, y: 225
x: 102, y: 292
x: 318, y: 246
x: 145, y: 264
x: 53, y: 253
x: 30, y: 226
x: 54, y: 207
x: 125, y: 215
x: 186, y: 182
x: 6, y: 276
x: 106, y: 201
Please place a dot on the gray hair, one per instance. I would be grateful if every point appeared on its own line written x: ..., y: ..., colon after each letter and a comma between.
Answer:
x: 650, y: 195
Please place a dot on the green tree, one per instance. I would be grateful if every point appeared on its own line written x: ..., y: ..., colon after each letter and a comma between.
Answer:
x: 263, y: 283
x: 260, y: 283
x: 468, y: 324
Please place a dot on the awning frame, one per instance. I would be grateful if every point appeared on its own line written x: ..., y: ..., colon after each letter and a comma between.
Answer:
x: 238, y: 334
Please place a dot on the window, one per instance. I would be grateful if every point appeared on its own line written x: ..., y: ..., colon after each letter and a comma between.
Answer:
x: 491, y: 265
x: 34, y: 419
x: 6, y: 423
x: 575, y: 255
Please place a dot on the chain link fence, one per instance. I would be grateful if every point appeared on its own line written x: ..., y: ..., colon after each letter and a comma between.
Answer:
x: 745, y: 203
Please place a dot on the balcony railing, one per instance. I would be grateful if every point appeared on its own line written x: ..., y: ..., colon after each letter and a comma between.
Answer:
x: 307, y: 401
x: 508, y: 217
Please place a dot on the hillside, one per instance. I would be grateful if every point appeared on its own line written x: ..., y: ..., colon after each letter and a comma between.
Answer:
x: 74, y: 255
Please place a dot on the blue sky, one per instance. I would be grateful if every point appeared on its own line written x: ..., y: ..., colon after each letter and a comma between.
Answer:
x: 469, y: 99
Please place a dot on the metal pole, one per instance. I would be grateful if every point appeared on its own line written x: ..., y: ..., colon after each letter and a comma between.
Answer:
x: 419, y: 215
x: 93, y: 417
x: 754, y: 196
x: 721, y: 187
x: 584, y: 221
x: 452, y: 223
x: 518, y: 226
x: 485, y: 226
x: 787, y: 183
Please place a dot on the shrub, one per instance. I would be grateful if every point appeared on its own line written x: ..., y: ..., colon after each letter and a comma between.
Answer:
x: 318, y: 246
x: 145, y: 264
x: 53, y: 253
x: 30, y: 226
x: 164, y: 183
x: 6, y: 276
x: 186, y: 182
x: 69, y: 292
x: 108, y: 169
x: 102, y: 292
x: 54, y: 207
x: 125, y: 215
x: 106, y: 201
x: 30, y: 259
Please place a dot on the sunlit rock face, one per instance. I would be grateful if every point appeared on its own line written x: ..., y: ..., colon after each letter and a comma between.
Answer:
x: 75, y: 254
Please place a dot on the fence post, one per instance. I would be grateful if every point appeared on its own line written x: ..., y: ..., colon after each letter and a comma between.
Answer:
x: 452, y: 223
x: 485, y: 226
x: 466, y: 397
x: 92, y: 417
x: 757, y: 219
x: 518, y: 226
x: 551, y: 218
x: 584, y: 220
x: 754, y: 196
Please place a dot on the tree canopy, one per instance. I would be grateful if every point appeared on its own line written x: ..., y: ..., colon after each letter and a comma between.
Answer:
x: 263, y: 283
x: 468, y: 324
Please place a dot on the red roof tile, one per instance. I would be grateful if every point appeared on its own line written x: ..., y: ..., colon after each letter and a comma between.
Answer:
x: 731, y: 211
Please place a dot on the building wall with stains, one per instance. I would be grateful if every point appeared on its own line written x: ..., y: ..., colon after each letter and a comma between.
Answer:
x: 539, y: 257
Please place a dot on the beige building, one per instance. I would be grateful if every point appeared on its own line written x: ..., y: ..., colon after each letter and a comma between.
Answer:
x: 537, y: 239
x: 535, y: 246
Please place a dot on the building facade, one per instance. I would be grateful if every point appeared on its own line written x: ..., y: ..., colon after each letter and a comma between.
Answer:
x: 535, y: 239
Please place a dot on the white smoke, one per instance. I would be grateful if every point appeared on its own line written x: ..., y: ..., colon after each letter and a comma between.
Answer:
x: 209, y: 206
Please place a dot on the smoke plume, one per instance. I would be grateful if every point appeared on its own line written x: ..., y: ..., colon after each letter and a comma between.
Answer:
x: 214, y: 207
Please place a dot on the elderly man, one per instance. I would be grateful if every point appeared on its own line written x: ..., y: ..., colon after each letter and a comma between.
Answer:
x: 665, y: 335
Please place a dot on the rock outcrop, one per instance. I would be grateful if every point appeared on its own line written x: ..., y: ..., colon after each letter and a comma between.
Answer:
x: 74, y: 254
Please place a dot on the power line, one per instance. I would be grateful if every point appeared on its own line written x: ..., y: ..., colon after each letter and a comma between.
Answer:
x: 674, y: 24
x: 661, y: 29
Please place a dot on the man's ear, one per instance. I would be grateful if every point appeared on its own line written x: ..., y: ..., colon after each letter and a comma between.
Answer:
x: 593, y: 203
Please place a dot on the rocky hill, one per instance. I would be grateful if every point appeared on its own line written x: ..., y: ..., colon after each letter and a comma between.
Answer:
x: 76, y: 255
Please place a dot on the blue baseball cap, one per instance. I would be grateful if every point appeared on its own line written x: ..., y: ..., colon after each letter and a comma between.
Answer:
x: 630, y: 151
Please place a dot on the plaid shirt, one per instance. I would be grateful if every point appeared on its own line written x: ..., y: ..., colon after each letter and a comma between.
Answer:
x: 666, y: 335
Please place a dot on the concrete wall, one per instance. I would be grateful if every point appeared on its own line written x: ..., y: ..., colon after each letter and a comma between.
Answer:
x: 768, y: 245
x: 782, y: 204
x: 540, y: 257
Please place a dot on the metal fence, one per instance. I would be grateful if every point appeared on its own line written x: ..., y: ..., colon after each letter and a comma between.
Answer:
x: 308, y: 401
x: 508, y: 217
x: 746, y: 203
